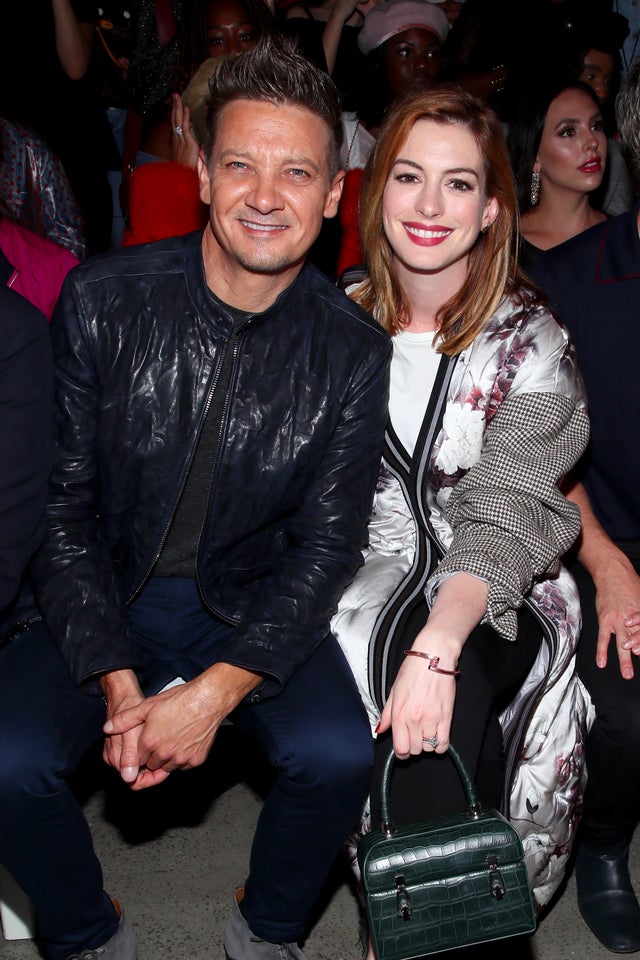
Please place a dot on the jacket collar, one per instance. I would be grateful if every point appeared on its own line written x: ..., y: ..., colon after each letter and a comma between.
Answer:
x: 201, y: 296
x: 619, y: 250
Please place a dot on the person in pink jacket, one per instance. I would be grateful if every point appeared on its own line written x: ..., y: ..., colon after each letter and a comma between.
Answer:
x: 33, y: 266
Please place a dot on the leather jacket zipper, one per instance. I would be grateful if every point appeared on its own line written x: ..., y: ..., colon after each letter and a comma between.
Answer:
x: 225, y: 382
x: 165, y: 534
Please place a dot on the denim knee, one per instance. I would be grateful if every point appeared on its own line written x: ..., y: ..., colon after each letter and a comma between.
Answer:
x: 332, y: 756
x: 27, y: 765
x: 46, y: 723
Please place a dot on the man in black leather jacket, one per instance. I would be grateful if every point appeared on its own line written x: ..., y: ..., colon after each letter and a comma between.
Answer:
x: 219, y: 419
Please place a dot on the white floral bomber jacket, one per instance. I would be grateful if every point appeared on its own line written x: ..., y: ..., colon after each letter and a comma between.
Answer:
x: 506, y: 420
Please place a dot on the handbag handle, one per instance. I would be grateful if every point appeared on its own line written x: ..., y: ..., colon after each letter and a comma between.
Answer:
x: 474, y: 807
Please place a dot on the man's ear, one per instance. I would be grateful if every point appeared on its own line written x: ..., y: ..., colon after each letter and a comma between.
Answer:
x: 334, y: 193
x: 205, y: 180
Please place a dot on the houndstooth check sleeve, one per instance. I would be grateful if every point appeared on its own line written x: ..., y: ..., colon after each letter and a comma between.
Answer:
x: 510, y: 522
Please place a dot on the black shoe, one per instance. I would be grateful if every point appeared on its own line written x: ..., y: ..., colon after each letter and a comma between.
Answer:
x: 606, y: 899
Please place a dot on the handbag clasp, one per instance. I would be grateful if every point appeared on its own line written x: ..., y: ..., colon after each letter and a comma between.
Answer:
x: 403, y: 899
x: 496, y: 883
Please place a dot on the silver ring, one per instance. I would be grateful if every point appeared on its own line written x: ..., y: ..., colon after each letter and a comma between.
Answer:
x: 432, y: 741
x: 178, y: 130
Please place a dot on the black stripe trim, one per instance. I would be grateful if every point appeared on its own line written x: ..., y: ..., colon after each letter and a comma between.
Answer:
x: 410, y: 473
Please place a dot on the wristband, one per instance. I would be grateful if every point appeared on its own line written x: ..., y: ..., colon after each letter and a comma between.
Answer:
x: 433, y: 662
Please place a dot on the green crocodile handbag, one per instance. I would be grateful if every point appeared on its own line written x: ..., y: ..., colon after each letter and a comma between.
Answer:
x: 445, y: 883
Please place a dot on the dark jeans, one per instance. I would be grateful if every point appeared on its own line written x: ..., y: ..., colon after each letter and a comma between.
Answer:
x: 613, y: 746
x: 315, y: 733
x: 491, y: 670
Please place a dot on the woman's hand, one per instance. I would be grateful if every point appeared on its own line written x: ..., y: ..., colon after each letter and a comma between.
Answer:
x: 421, y: 701
x: 185, y: 149
x: 420, y: 707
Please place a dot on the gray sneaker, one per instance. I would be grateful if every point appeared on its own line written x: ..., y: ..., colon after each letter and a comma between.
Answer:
x: 241, y: 944
x: 121, y: 946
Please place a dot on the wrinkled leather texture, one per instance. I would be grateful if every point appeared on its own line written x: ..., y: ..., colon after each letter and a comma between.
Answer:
x: 442, y: 872
x: 138, y: 343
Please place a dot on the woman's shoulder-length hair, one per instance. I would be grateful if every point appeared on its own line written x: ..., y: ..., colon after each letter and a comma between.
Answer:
x: 493, y: 264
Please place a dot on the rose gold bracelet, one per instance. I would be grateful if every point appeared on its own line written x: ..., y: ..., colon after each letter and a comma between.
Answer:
x: 433, y: 662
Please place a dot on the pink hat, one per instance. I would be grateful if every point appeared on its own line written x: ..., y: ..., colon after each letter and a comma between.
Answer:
x: 394, y: 16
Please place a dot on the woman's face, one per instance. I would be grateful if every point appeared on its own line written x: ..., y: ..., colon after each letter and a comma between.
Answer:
x: 598, y: 70
x: 228, y: 28
x: 573, y: 147
x: 411, y: 59
x: 434, y: 202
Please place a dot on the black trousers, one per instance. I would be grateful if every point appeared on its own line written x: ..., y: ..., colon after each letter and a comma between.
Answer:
x: 491, y: 671
x: 613, y: 745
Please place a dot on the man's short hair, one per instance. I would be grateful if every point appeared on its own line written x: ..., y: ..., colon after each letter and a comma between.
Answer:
x: 276, y: 73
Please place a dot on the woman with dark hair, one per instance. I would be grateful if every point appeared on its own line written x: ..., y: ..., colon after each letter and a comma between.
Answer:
x: 164, y: 197
x: 558, y: 150
x: 215, y: 28
x: 213, y: 32
x: 461, y: 626
x: 401, y: 41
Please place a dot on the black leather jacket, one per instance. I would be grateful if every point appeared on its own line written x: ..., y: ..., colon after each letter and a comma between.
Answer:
x: 138, y: 344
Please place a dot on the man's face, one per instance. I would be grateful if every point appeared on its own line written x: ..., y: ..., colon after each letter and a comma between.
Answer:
x: 268, y: 187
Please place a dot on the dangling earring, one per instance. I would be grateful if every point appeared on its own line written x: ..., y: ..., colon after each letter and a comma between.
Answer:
x: 535, y: 188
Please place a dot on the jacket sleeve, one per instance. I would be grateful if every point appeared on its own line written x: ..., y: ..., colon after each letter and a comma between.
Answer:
x: 26, y: 431
x: 290, y: 616
x: 510, y: 522
x: 73, y: 568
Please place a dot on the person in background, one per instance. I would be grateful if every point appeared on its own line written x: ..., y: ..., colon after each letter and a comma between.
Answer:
x: 32, y: 265
x: 36, y: 191
x: 462, y: 604
x: 599, y: 65
x: 26, y: 435
x: 629, y: 48
x: 57, y: 98
x: 599, y: 69
x: 558, y: 151
x: 220, y: 409
x: 164, y: 198
x: 327, y: 32
x: 112, y: 48
x: 402, y: 42
x: 499, y: 50
x: 593, y: 283
x: 213, y: 29
x: 156, y: 33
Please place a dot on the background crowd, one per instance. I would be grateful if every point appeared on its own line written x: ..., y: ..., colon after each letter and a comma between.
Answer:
x: 112, y: 83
